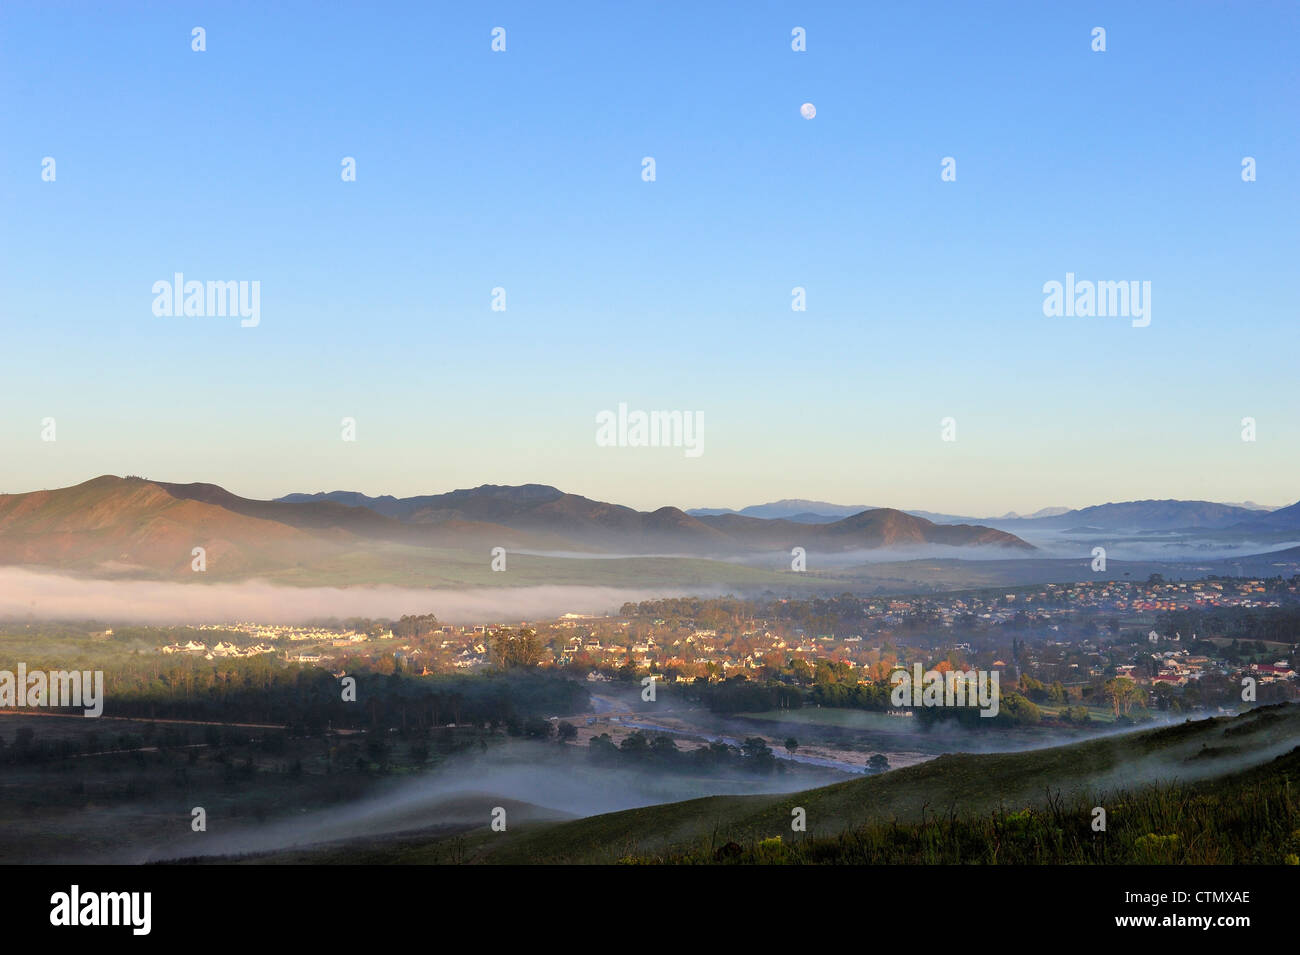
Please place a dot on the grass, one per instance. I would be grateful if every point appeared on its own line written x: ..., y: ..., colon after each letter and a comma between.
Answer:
x: 1185, y: 780
x: 1243, y: 820
x: 1096, y: 714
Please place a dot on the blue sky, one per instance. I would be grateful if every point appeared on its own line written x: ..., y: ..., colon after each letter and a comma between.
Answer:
x: 522, y: 170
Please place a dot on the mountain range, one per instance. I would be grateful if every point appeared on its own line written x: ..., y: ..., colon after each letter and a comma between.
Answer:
x: 132, y: 525
x: 537, y: 508
x: 1131, y: 516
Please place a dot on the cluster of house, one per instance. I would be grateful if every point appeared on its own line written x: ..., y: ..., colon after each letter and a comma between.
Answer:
x: 280, y: 633
x: 221, y: 649
x: 265, y: 639
x: 683, y: 650
x: 1063, y: 600
x: 225, y: 649
x: 1179, y: 668
x: 467, y: 656
x: 700, y: 652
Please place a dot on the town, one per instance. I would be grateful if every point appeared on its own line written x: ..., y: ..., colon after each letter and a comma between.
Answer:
x: 1185, y: 644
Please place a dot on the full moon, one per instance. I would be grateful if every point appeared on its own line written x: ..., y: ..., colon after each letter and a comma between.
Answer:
x: 808, y: 110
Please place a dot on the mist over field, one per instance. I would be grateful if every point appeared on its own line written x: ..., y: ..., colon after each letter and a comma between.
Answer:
x: 46, y: 596
x: 845, y: 559
x: 1145, y: 545
x: 532, y: 782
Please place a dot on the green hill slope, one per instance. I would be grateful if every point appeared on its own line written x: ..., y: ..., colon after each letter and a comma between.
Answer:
x: 1221, y: 788
x: 964, y: 784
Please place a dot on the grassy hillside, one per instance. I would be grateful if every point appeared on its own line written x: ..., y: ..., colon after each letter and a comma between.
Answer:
x: 1210, y: 791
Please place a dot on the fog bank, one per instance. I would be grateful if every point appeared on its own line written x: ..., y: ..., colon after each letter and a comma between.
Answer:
x: 48, y: 596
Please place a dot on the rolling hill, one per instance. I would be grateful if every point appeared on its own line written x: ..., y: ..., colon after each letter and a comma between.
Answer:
x: 618, y: 529
x: 880, y: 528
x: 126, y: 526
x: 968, y: 784
x: 1167, y: 515
x: 132, y: 526
x: 1149, y: 515
x: 113, y: 525
x: 1283, y: 519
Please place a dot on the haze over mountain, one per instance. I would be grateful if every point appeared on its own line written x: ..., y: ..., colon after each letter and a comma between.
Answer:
x: 1132, y: 516
x: 121, y: 525
x: 787, y: 508
x: 1284, y: 518
x: 113, y: 527
x: 1041, y: 512
x: 541, y: 508
x: 132, y: 525
x: 818, y: 512
x: 1152, y: 515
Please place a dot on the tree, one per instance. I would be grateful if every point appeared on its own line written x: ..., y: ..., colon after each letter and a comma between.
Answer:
x: 516, y: 649
x: 634, y: 742
x: 1123, y: 693
x: 415, y: 626
x: 537, y: 728
x: 758, y: 752
x: 663, y: 746
x: 791, y: 745
x: 1033, y: 688
x: 1016, y: 710
x: 1164, y: 695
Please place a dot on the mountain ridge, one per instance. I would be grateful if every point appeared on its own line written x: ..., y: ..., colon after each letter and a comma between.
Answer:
x: 1168, y: 514
x: 116, y: 524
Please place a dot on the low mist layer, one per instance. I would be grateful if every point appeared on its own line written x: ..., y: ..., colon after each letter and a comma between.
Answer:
x: 47, y: 596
